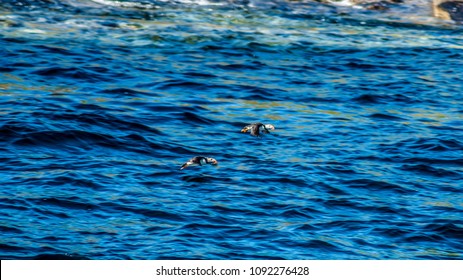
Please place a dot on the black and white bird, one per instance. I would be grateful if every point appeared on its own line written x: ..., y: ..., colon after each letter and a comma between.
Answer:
x: 258, y: 128
x: 199, y: 161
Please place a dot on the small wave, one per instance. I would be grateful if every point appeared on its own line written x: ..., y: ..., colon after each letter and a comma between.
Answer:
x: 58, y: 257
x: 225, y: 210
x: 109, y: 121
x: 206, y: 227
x: 350, y: 225
x: 271, y: 205
x: 295, y: 213
x: 238, y: 67
x: 151, y: 213
x: 322, y: 246
x: 307, y: 228
x: 283, y: 180
x: 15, y: 204
x: 392, y: 232
x: 258, y: 93
x: 49, y: 213
x: 89, y: 107
x: 8, y: 247
x: 79, y: 182
x: 334, y: 190
x: 447, y: 230
x: 374, y: 185
x: 168, y: 85
x: 339, y: 169
x: 7, y: 229
x: 430, y: 151
x: 55, y: 49
x: 433, y: 171
x: 432, y: 144
x: 420, y: 237
x: 381, y: 99
x: 11, y: 131
x: 360, y: 65
x: 433, y: 161
x: 382, y: 116
x: 342, y: 203
x: 70, y: 202
x: 69, y: 139
x: 60, y: 138
x: 199, y: 75
x: 262, y: 47
x: 7, y: 69
x: 395, y: 211
x: 70, y: 72
x: 194, y: 118
x: 204, y: 179
x: 127, y: 92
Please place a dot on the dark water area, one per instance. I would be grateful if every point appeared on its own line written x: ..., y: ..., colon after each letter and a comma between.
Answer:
x: 101, y: 102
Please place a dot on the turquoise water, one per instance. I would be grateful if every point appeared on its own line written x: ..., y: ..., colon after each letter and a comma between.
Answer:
x: 101, y: 102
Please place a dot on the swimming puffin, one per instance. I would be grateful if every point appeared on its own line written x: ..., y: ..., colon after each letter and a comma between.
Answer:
x: 199, y: 161
x: 258, y: 128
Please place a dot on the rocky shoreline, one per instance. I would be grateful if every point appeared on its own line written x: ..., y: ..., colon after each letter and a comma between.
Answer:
x: 449, y: 9
x: 442, y: 9
x: 417, y: 11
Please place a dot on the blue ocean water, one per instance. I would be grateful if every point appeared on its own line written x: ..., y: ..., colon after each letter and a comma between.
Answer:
x: 101, y: 102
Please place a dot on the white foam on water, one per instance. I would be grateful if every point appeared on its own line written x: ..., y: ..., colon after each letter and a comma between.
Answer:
x: 124, y: 4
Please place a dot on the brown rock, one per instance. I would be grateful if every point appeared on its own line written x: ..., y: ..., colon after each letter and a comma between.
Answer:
x: 448, y: 9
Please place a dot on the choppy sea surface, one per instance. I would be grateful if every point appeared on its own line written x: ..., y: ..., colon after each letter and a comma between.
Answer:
x: 101, y: 102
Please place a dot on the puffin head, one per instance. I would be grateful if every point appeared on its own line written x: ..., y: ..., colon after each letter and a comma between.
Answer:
x: 269, y: 127
x: 212, y: 161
